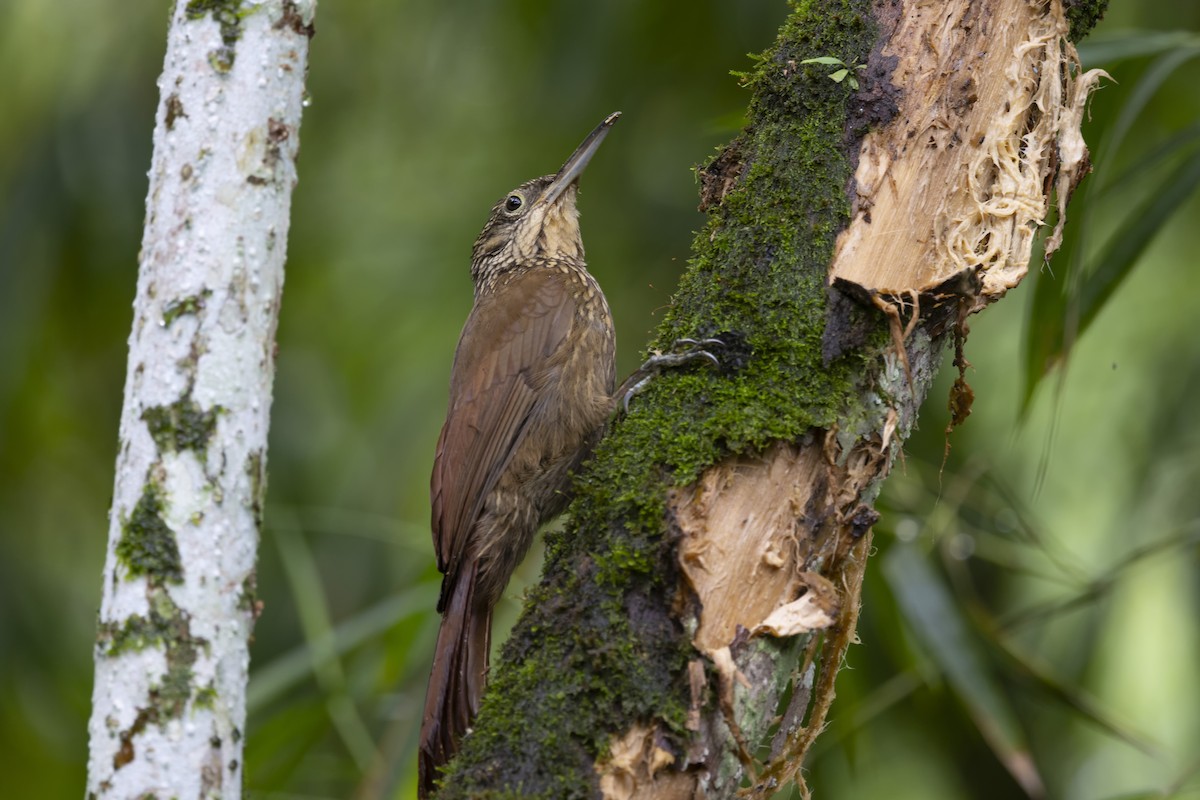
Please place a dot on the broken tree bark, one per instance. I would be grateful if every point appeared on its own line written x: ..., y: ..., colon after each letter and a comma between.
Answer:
x: 716, y: 548
x: 178, y: 604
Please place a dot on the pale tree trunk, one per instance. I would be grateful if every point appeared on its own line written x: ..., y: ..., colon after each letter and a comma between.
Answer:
x: 178, y: 605
x: 715, y: 552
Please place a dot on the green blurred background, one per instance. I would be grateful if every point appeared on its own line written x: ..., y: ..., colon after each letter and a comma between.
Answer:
x: 1029, y: 610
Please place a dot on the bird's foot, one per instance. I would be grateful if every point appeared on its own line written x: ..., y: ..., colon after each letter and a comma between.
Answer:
x: 656, y: 363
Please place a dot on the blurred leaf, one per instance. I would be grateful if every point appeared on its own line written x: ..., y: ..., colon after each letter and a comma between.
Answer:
x: 1063, y: 309
x: 933, y: 614
x: 1133, y: 108
x: 830, y: 60
x: 1187, y: 776
x: 309, y: 598
x: 1128, y: 243
x: 727, y: 124
x: 1045, y: 321
x: 386, y: 528
x: 873, y: 706
x: 1049, y: 337
x: 1175, y: 144
x: 1074, y: 698
x: 286, y: 671
x: 282, y: 742
x: 1108, y: 50
x: 1176, y: 792
x: 1100, y: 586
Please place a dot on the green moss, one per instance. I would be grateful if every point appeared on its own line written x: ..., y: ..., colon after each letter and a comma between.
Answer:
x: 147, y: 546
x: 597, y: 648
x: 1083, y: 16
x: 168, y: 627
x: 136, y: 634
x: 183, y: 425
x: 206, y: 697
x: 228, y: 14
x: 192, y: 304
x: 171, y: 696
x: 248, y: 597
x: 256, y: 471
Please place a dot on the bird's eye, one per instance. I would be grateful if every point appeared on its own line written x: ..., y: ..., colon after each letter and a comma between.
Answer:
x: 513, y: 202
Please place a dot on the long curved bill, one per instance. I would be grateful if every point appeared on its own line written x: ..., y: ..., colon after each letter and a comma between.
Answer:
x: 571, y: 170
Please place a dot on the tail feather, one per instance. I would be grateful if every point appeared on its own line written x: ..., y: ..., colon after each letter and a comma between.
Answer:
x: 460, y: 663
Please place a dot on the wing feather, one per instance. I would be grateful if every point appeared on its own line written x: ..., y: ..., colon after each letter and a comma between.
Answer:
x: 500, y: 369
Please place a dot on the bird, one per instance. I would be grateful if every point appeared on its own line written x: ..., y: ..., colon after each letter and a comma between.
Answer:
x: 531, y: 389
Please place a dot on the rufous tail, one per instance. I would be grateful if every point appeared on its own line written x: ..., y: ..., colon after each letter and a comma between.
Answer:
x: 460, y: 662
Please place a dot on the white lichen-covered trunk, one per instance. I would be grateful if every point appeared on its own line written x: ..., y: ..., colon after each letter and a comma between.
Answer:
x: 178, y: 604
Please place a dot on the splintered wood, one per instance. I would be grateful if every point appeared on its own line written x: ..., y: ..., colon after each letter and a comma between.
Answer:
x: 957, y: 181
x: 743, y: 547
x: 750, y: 542
x: 633, y: 769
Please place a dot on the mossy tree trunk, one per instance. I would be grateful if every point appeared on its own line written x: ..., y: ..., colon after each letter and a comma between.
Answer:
x: 713, y: 557
x: 178, y: 599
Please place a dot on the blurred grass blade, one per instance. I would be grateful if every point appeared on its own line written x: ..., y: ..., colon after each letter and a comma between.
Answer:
x: 1131, y: 110
x: 1172, y: 146
x: 1046, y: 321
x: 1072, y: 697
x: 1187, y: 776
x: 1063, y: 306
x: 1099, y: 587
x: 286, y: 671
x: 1046, y: 335
x: 1128, y: 243
x: 937, y: 623
x: 1098, y: 51
x: 309, y: 598
x: 352, y: 522
x: 1091, y: 594
x: 841, y: 731
x: 282, y: 741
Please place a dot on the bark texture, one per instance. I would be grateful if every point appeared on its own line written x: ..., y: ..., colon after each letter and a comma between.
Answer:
x: 711, y: 567
x: 178, y: 600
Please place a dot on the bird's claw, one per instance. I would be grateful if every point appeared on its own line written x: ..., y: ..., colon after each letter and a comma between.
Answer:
x: 700, y: 342
x: 659, y: 361
x: 697, y: 351
x: 632, y: 390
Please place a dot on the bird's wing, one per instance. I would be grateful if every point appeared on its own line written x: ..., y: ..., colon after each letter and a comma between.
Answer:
x: 502, y: 358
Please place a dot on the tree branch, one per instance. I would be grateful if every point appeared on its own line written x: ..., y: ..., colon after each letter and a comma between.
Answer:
x: 179, y: 589
x: 716, y: 547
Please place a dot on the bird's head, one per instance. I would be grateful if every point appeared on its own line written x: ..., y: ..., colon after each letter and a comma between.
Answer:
x: 537, y: 221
